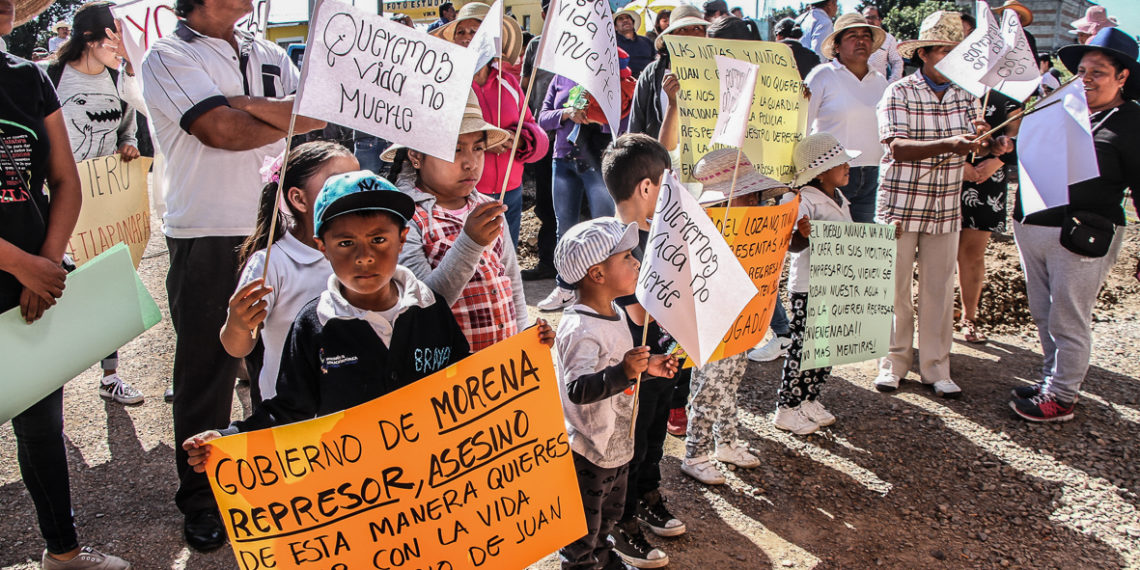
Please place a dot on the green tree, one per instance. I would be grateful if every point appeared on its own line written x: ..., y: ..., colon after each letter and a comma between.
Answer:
x: 775, y: 15
x: 37, y: 31
x: 905, y: 22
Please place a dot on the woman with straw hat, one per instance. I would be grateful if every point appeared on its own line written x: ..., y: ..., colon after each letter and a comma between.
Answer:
x: 844, y: 92
x: 1067, y: 251
x: 34, y: 230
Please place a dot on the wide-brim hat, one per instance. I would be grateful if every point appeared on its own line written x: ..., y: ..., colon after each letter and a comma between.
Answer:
x: 60, y: 24
x: 472, y: 122
x: 359, y: 191
x: 1095, y: 19
x: 28, y: 9
x: 818, y: 153
x: 1023, y: 12
x: 715, y: 170
x: 512, y: 32
x: 681, y: 17
x: 1114, y: 43
x: 942, y: 28
x: 632, y: 14
x: 851, y: 22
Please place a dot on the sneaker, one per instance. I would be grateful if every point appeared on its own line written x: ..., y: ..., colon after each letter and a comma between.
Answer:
x: 887, y: 382
x: 771, y: 350
x: 794, y: 420
x: 678, y: 422
x: 559, y: 298
x: 1026, y: 392
x: 947, y: 389
x: 1044, y: 407
x: 817, y: 413
x: 88, y: 558
x: 540, y: 271
x: 737, y: 454
x: 703, y: 470
x: 168, y: 395
x: 113, y: 388
x: 630, y: 544
x: 651, y: 511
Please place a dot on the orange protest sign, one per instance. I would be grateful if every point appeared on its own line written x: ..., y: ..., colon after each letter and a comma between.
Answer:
x: 759, y: 237
x: 467, y: 468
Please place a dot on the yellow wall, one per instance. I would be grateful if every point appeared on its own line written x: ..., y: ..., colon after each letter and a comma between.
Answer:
x: 277, y: 33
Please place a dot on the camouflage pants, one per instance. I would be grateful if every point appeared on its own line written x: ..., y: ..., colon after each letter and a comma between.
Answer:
x: 712, y: 405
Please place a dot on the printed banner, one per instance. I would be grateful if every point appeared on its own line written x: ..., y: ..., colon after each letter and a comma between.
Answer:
x: 1044, y: 173
x: 737, y: 85
x: 759, y: 238
x: 778, y: 113
x: 104, y: 306
x: 467, y: 468
x: 116, y: 208
x: 147, y: 21
x: 578, y: 43
x: 690, y: 281
x: 371, y: 74
x: 851, y: 293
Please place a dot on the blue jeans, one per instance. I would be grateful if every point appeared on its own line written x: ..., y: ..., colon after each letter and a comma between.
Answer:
x: 570, y: 186
x: 513, y: 201
x: 860, y: 191
x: 367, y: 151
x: 779, y: 324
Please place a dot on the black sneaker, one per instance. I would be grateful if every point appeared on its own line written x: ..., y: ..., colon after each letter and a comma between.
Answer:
x: 540, y: 271
x: 1026, y: 392
x: 630, y: 544
x: 651, y: 510
x: 1044, y: 407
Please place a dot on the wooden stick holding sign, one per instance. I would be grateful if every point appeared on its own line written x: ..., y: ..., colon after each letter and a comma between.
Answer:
x: 523, y: 106
x: 732, y: 187
x: 637, y: 384
x: 985, y: 103
x: 277, y: 203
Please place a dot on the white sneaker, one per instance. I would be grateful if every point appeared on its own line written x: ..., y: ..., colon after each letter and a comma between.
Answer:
x: 703, y: 470
x: 887, y: 382
x: 770, y: 350
x: 817, y: 413
x: 559, y: 298
x: 87, y: 559
x: 947, y: 389
x: 737, y: 454
x: 113, y: 388
x: 794, y: 420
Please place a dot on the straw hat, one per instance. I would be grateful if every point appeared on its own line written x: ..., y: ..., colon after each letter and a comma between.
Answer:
x: 1096, y: 19
x: 714, y: 172
x: 850, y: 22
x: 683, y: 17
x: 1113, y: 43
x: 818, y: 153
x: 1023, y: 12
x: 632, y: 14
x: 942, y: 28
x: 472, y: 123
x: 61, y: 24
x: 512, y: 33
x: 28, y: 9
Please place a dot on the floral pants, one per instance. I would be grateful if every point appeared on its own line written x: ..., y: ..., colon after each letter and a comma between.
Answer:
x: 798, y: 385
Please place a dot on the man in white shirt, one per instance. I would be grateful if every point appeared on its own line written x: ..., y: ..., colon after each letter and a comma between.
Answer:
x: 816, y: 24
x: 886, y: 60
x: 219, y: 104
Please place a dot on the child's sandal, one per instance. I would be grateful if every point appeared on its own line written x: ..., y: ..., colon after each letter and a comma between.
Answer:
x: 973, y: 333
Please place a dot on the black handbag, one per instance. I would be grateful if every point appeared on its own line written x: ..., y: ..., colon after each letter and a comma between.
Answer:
x: 1087, y: 233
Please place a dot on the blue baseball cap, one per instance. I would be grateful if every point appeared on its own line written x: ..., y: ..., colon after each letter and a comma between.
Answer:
x: 359, y: 191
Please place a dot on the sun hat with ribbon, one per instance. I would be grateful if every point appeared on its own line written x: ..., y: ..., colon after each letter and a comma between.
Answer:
x: 818, y: 153
x: 942, y: 28
x: 715, y: 170
x: 1023, y: 12
x: 1096, y: 19
x: 850, y: 22
x: 682, y: 17
x: 632, y: 14
x: 1113, y: 43
x: 512, y: 33
x: 473, y: 122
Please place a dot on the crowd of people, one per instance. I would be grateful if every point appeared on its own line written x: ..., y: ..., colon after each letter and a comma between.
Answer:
x: 382, y: 251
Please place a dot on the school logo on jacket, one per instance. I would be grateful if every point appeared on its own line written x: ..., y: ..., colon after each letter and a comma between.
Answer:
x: 337, y: 361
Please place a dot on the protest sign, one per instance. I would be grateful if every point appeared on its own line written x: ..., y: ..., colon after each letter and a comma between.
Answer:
x: 488, y: 40
x: 104, y: 306
x: 371, y: 74
x: 1055, y: 149
x: 851, y: 293
x: 467, y: 468
x: 1016, y: 74
x: 759, y: 238
x: 115, y: 208
x: 578, y: 43
x: 690, y: 281
x: 993, y: 55
x: 147, y: 21
x: 737, y: 86
x: 778, y: 112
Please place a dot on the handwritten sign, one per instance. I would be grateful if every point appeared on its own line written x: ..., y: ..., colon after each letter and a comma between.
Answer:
x: 1016, y: 74
x: 851, y: 293
x: 778, y: 114
x: 578, y: 43
x: 374, y: 75
x: 1044, y: 174
x: 759, y: 239
x: 467, y: 468
x: 690, y: 280
x: 147, y: 21
x: 737, y: 85
x: 993, y: 55
x: 115, y: 208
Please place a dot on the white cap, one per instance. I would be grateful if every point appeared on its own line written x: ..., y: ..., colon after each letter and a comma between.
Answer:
x: 590, y: 243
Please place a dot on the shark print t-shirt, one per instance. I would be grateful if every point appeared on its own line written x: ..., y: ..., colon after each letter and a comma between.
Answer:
x: 94, y: 112
x: 26, y: 99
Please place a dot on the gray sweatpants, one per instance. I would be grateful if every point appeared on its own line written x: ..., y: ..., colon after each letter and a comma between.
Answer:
x: 1062, y: 288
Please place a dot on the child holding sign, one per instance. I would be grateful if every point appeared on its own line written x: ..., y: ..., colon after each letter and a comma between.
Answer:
x: 597, y: 367
x: 297, y: 270
x: 822, y: 166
